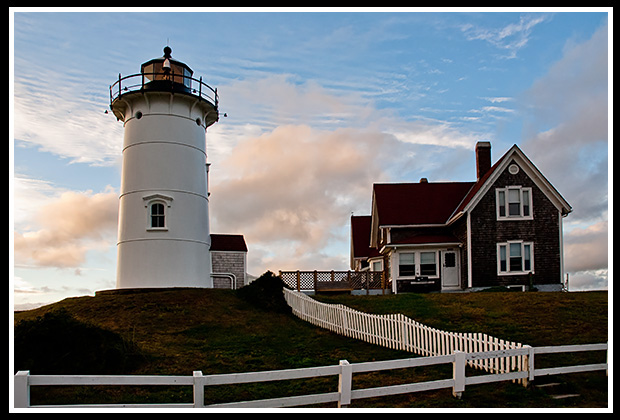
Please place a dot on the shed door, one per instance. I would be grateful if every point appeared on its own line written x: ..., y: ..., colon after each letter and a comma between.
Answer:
x: 450, y: 270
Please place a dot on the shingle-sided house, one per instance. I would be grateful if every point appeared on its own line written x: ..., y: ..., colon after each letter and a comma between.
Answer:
x: 504, y: 229
x: 228, y: 261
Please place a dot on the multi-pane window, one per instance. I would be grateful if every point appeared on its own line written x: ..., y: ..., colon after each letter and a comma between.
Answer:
x: 514, y: 202
x: 158, y: 215
x: 515, y: 257
x: 406, y: 264
x: 428, y: 267
x: 157, y: 212
x: 422, y: 263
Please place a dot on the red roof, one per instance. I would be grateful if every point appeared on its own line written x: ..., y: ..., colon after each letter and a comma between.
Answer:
x: 425, y: 203
x: 221, y: 242
x: 360, y: 237
x: 478, y: 185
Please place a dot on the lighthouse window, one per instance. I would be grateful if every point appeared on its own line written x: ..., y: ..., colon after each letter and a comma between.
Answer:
x: 158, y: 217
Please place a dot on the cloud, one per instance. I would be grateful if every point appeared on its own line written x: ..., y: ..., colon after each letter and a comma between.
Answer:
x: 296, y: 185
x: 567, y: 125
x: 304, y: 158
x: 68, y: 120
x: 498, y: 99
x: 70, y: 225
x: 281, y: 99
x: 566, y: 134
x: 511, y: 37
x: 586, y: 249
x: 588, y: 280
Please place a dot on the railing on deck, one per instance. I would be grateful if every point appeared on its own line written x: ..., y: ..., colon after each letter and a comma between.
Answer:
x: 335, y: 280
x: 179, y: 82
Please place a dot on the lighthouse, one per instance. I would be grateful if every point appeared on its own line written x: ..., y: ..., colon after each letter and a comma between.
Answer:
x: 163, y: 227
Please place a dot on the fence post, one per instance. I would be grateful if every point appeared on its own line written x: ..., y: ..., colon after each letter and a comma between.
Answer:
x: 199, y: 390
x: 298, y: 281
x: 345, y: 378
x: 530, y: 363
x: 21, y: 389
x: 458, y: 374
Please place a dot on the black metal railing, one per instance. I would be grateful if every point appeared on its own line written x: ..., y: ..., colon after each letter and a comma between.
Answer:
x: 161, y: 81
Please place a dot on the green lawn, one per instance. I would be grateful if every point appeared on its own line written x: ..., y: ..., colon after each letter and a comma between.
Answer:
x: 179, y: 331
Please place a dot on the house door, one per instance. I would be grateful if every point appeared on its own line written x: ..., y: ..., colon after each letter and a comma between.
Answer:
x: 450, y: 270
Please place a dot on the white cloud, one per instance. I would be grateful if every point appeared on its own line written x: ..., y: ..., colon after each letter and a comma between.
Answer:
x: 511, y: 37
x: 56, y: 113
x: 586, y: 249
x: 296, y: 185
x: 567, y: 126
x: 498, y: 99
x: 567, y: 137
x: 63, y: 229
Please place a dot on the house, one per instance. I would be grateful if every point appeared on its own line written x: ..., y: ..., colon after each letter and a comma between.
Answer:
x: 228, y: 261
x: 504, y: 229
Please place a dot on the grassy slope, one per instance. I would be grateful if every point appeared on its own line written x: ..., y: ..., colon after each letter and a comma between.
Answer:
x: 537, y: 319
x: 215, y: 331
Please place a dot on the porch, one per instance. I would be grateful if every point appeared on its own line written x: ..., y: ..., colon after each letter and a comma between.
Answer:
x: 336, y: 281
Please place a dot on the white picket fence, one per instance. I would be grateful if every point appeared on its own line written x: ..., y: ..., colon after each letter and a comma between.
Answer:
x: 399, y: 332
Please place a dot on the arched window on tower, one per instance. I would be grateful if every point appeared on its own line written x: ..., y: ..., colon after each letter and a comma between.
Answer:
x: 158, y: 215
x: 157, y: 206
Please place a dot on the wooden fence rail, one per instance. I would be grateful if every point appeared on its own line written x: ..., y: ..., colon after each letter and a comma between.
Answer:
x: 23, y: 380
x: 402, y: 333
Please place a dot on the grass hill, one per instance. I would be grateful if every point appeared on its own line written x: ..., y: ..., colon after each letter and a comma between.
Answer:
x: 178, y: 331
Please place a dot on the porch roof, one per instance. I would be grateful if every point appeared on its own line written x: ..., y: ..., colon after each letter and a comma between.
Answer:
x: 426, y: 240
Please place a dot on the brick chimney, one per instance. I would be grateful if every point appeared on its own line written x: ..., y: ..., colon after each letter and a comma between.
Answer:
x: 483, y: 158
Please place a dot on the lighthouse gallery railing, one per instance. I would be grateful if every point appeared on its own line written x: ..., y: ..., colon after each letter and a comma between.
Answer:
x: 177, y: 83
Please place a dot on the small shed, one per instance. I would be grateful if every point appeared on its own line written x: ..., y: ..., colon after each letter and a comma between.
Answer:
x: 228, y: 261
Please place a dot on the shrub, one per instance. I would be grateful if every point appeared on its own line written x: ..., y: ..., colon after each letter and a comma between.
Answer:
x: 266, y: 293
x: 57, y: 343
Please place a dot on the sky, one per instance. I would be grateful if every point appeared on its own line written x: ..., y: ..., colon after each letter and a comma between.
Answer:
x: 320, y: 105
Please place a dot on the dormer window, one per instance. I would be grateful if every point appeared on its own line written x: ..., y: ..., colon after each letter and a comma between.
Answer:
x: 514, y: 203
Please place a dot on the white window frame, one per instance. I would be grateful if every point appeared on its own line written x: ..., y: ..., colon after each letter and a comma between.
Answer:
x: 377, y: 261
x: 522, y: 247
x: 415, y: 267
x: 525, y: 203
x: 149, y: 201
x: 417, y: 261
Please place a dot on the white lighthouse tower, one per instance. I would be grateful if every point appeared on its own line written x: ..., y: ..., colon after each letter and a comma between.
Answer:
x: 163, y: 230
